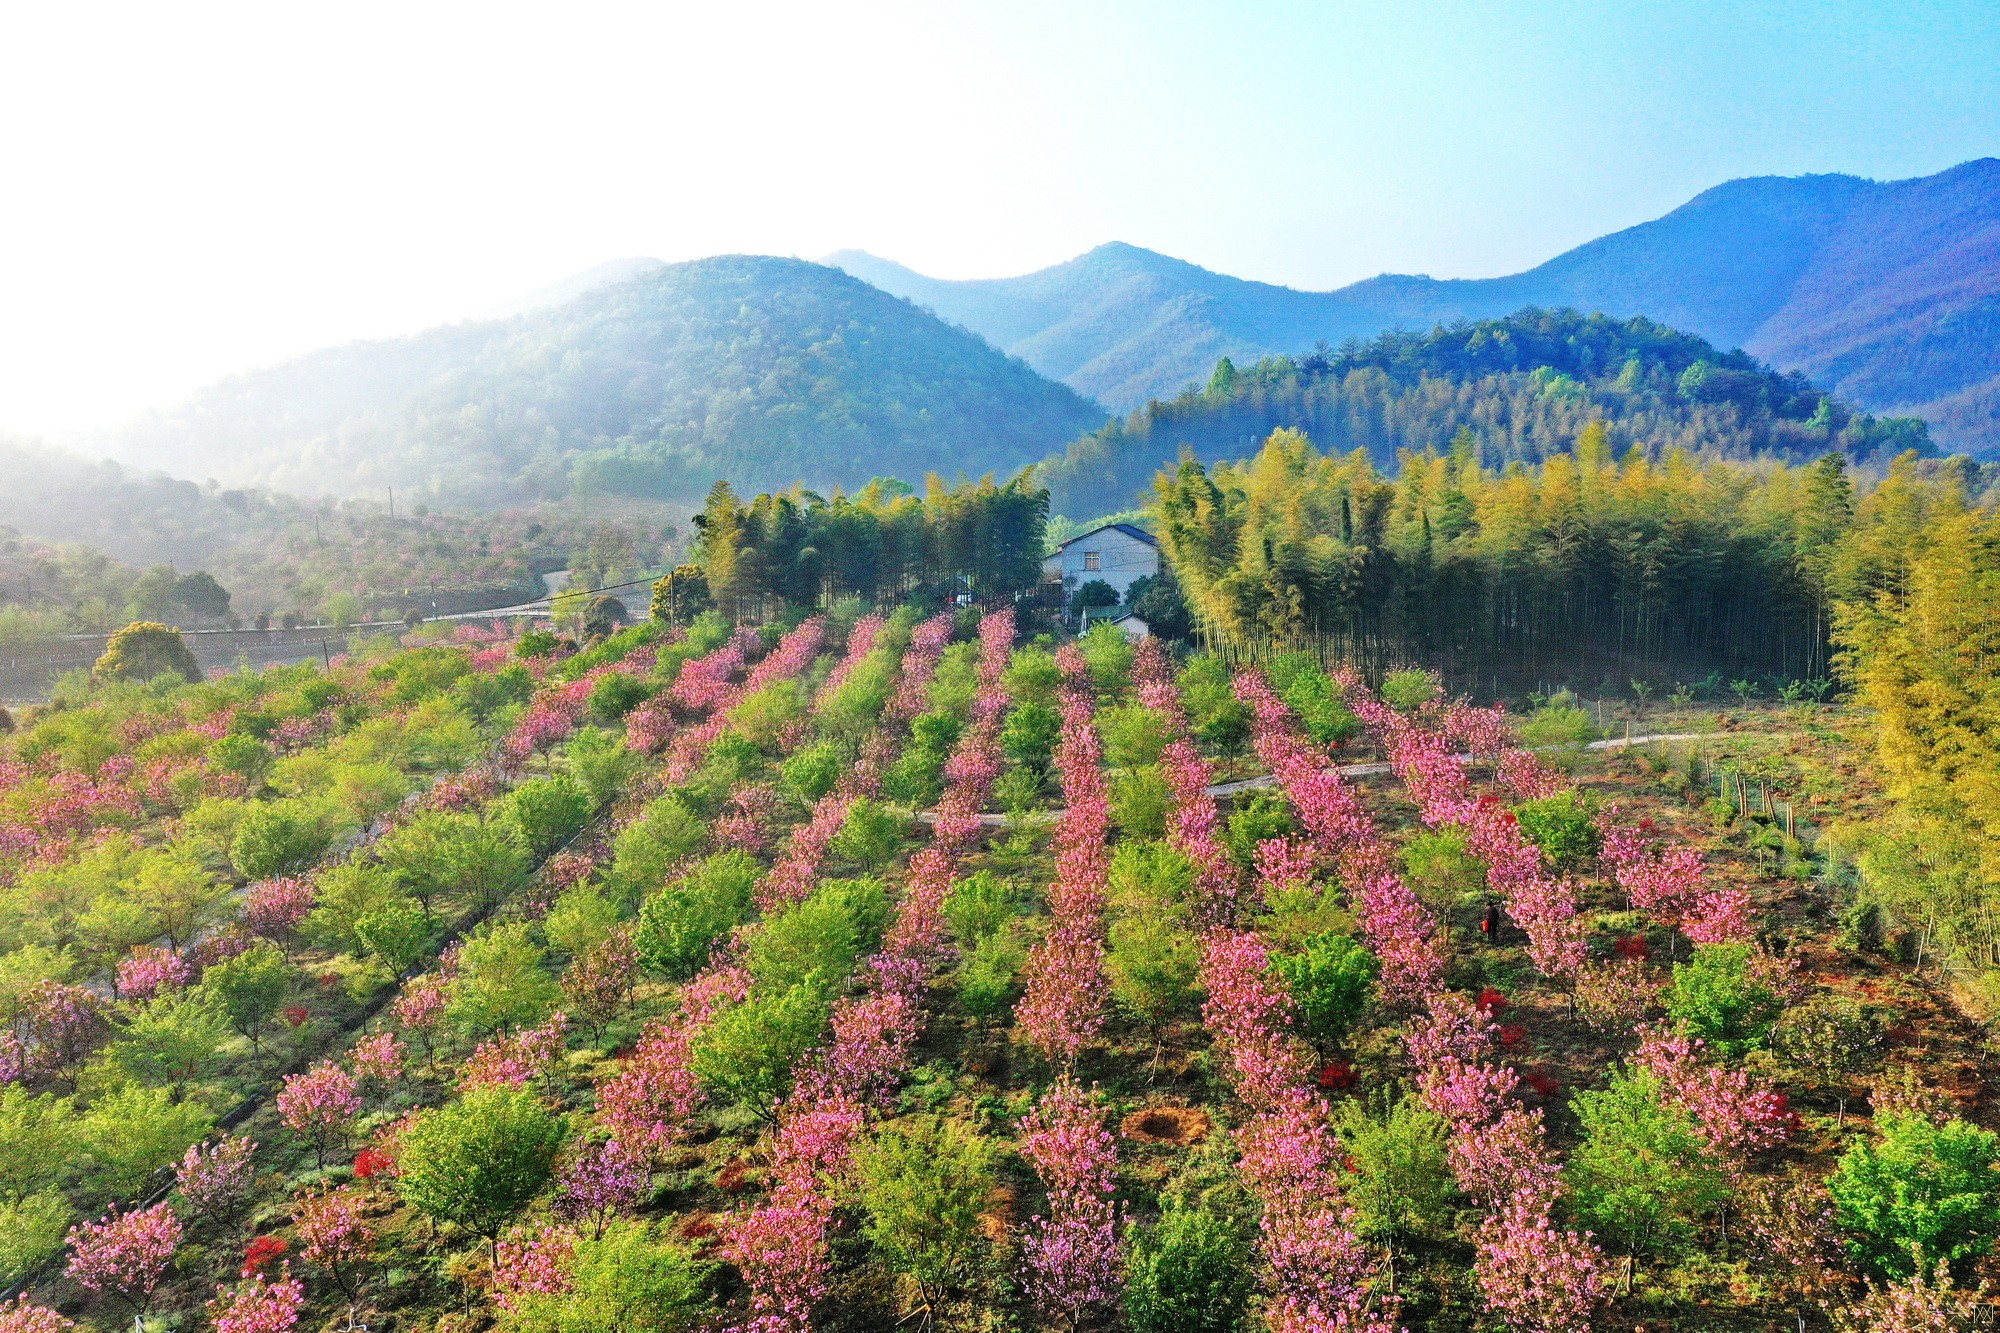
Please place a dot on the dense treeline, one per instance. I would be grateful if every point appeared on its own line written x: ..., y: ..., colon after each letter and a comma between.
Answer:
x: 1523, y: 387
x: 883, y: 543
x: 1921, y: 644
x: 1585, y: 564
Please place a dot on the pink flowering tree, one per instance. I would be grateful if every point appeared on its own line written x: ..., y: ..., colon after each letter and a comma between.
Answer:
x: 273, y: 908
x: 148, y: 971
x: 257, y: 1306
x: 532, y: 1265
x: 318, y: 1106
x: 378, y: 1061
x: 21, y: 1315
x: 1070, y: 1252
x: 420, y: 1010
x: 1536, y: 1278
x: 602, y: 1181
x: 216, y: 1178
x: 334, y: 1233
x: 126, y: 1254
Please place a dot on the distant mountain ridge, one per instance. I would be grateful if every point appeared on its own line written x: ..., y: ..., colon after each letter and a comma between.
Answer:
x: 1886, y: 292
x: 635, y: 379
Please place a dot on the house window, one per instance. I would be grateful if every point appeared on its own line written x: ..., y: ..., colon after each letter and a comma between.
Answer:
x: 1092, y: 560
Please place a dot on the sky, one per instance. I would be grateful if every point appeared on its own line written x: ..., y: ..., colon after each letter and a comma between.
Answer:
x: 192, y: 189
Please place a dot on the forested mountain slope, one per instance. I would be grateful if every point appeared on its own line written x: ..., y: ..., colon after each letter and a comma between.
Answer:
x: 1523, y: 387
x: 769, y: 370
x: 1888, y: 292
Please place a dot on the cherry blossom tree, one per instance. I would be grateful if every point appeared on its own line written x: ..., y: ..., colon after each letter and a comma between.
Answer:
x: 257, y: 1306
x: 215, y: 1178
x: 126, y: 1254
x: 318, y: 1105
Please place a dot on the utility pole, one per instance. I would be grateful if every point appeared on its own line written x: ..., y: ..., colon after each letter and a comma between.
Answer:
x: 392, y: 502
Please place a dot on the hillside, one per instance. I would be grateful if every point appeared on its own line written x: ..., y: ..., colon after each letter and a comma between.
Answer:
x: 1888, y: 292
x: 1522, y: 388
x: 772, y: 371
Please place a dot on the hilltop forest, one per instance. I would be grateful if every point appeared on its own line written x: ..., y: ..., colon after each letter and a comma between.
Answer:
x: 1521, y: 388
x: 762, y: 370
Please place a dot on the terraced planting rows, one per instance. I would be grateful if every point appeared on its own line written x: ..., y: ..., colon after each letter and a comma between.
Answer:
x: 462, y: 986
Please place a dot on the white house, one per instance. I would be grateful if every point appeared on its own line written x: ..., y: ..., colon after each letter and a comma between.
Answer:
x: 1116, y: 553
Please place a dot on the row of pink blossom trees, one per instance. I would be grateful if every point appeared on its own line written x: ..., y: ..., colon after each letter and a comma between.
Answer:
x: 780, y: 1245
x: 654, y: 1091
x: 1062, y: 1005
x: 1536, y: 1277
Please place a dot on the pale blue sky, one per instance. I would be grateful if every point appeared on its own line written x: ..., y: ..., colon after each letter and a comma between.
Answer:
x: 196, y: 188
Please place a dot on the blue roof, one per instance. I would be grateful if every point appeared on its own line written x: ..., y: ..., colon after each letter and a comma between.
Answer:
x: 1125, y: 528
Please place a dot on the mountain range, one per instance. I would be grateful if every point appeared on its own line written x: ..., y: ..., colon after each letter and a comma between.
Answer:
x: 637, y: 379
x: 1886, y: 292
x: 650, y: 381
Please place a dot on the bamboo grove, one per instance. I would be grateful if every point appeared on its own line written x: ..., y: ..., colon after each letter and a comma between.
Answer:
x: 1587, y: 567
x: 882, y: 544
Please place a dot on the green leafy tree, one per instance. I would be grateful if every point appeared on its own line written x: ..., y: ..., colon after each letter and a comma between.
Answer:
x: 1140, y: 800
x: 346, y: 894
x: 146, y: 649
x: 1156, y: 599
x: 39, y: 1138
x: 1564, y: 827
x: 1029, y: 734
x: 279, y: 838
x: 32, y: 1232
x: 175, y: 897
x: 548, y: 811
x: 749, y: 1053
x: 1320, y: 708
x: 979, y: 905
x: 1331, y: 979
x: 1404, y: 1186
x: 1094, y: 595
x: 478, y: 1161
x: 398, y: 932
x: 812, y: 771
x: 503, y: 981
x: 820, y: 939
x: 870, y: 834
x: 986, y: 973
x: 1919, y: 1186
x: 133, y: 1131
x: 923, y: 1183
x: 173, y: 1039
x: 1191, y: 1273
x: 1720, y: 997
x: 581, y: 919
x: 442, y: 854
x: 646, y: 849
x: 681, y: 595
x: 1134, y: 735
x: 1643, y: 1172
x: 626, y: 1281
x: 250, y: 987
x: 599, y: 761
x: 1153, y: 965
x: 681, y: 922
x: 1409, y: 690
